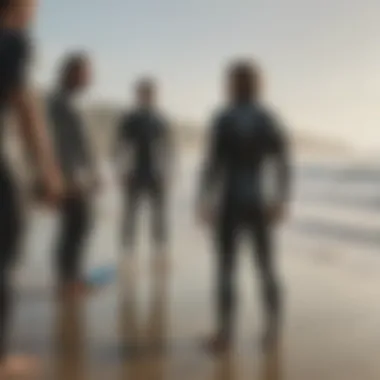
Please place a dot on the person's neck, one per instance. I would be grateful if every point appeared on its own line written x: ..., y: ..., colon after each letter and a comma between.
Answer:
x: 146, y: 107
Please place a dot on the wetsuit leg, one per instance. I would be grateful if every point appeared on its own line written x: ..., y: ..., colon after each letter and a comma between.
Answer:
x: 159, y: 214
x: 10, y: 229
x: 74, y: 229
x: 226, y: 239
x: 132, y: 195
x: 263, y: 240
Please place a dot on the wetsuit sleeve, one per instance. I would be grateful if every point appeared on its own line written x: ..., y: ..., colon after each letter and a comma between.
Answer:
x: 88, y: 155
x: 213, y: 163
x: 123, y: 133
x: 280, y: 152
x: 58, y: 132
x: 121, y: 144
x: 169, y: 148
x: 15, y: 65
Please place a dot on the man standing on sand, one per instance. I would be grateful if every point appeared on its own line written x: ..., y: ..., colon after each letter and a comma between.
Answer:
x: 244, y: 137
x: 144, y: 135
x: 15, y: 95
x: 78, y: 166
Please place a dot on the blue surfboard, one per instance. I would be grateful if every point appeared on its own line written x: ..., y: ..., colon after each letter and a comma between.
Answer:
x: 101, y: 276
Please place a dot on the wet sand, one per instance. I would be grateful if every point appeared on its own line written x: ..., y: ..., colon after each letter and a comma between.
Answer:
x: 152, y: 327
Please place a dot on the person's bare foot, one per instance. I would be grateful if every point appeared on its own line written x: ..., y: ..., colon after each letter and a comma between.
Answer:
x: 218, y: 344
x: 16, y: 366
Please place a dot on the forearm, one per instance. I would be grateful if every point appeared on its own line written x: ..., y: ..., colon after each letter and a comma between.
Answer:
x: 120, y: 144
x: 171, y: 163
x: 36, y: 137
x: 283, y: 181
x: 283, y: 170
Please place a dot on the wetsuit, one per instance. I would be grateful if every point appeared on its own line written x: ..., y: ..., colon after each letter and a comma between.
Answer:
x: 14, y: 53
x: 243, y: 139
x: 77, y: 164
x: 144, y: 134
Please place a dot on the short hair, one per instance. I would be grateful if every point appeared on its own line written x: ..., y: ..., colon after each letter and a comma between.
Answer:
x: 5, y: 4
x: 146, y: 83
x: 244, y: 68
x: 249, y: 73
x: 70, y: 63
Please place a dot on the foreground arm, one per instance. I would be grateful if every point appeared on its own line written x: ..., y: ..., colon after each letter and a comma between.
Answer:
x: 31, y: 121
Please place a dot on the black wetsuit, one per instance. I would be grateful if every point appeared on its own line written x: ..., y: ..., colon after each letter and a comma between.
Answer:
x: 75, y: 159
x: 145, y: 135
x: 243, y: 139
x: 14, y: 52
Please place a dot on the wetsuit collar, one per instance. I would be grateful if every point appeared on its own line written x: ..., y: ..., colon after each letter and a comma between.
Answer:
x: 146, y: 109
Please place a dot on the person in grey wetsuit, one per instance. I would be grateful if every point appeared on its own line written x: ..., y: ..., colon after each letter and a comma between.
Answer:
x: 145, y: 142
x: 77, y: 163
x: 245, y: 136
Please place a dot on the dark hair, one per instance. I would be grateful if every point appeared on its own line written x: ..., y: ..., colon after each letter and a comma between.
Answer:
x: 145, y: 83
x: 244, y: 68
x: 249, y: 72
x: 5, y: 4
x: 71, y: 62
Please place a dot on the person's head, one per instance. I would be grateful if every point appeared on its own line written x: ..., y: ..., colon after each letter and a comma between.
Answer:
x: 146, y: 92
x: 244, y: 81
x: 17, y: 13
x: 75, y: 73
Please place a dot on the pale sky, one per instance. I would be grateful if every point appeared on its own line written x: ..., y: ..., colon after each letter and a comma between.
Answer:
x: 321, y: 57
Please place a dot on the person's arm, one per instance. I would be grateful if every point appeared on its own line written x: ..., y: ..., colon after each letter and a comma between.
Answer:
x: 169, y: 151
x: 58, y: 128
x: 36, y: 140
x: 31, y: 121
x: 89, y: 159
x: 121, y: 142
x: 212, y: 167
x: 280, y: 152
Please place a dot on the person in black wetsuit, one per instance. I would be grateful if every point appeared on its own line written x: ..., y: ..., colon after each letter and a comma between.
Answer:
x: 77, y: 163
x: 15, y: 96
x: 145, y: 136
x: 244, y: 138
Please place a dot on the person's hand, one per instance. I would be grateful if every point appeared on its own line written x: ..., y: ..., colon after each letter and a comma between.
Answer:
x: 276, y: 213
x: 77, y: 189
x: 205, y: 214
x: 54, y: 189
